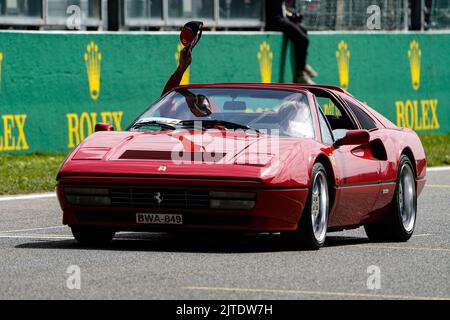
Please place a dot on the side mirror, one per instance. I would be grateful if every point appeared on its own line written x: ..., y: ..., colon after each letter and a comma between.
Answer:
x: 353, y: 137
x: 103, y: 127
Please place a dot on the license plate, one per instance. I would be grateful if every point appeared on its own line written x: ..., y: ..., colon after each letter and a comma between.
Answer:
x: 159, y: 218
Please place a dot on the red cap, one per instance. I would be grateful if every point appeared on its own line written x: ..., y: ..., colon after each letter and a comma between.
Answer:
x: 186, y: 36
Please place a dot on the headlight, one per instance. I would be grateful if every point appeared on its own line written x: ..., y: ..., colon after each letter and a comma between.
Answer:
x: 88, y: 196
x: 253, y: 159
x: 231, y: 200
x: 90, y: 153
x: 231, y: 204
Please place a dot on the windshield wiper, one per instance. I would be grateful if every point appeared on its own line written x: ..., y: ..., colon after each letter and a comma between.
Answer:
x: 162, y: 124
x: 210, y: 123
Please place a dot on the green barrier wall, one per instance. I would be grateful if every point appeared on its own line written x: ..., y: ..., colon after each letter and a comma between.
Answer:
x: 54, y: 87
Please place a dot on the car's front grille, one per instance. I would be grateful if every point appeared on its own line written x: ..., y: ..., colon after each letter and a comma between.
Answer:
x: 159, y: 198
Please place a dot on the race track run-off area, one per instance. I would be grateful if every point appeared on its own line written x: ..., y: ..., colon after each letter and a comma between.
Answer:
x: 39, y: 259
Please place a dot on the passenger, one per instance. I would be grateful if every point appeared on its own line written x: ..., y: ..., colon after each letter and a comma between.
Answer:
x: 295, y: 119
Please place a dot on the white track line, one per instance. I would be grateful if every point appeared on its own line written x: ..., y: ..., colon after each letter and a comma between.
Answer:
x: 54, y: 236
x: 442, y: 186
x: 435, y: 169
x: 28, y: 196
x: 410, y: 248
x: 32, y: 236
x: 32, y: 229
x: 318, y: 293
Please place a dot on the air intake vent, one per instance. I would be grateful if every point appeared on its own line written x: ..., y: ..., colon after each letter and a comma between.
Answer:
x: 146, y: 155
x: 169, y: 155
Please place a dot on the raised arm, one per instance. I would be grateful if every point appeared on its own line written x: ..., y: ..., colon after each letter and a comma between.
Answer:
x: 183, y: 64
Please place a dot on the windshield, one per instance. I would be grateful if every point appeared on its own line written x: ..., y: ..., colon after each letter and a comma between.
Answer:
x: 268, y: 111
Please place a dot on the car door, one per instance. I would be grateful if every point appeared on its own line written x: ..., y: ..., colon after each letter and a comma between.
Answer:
x: 380, y: 146
x: 357, y: 172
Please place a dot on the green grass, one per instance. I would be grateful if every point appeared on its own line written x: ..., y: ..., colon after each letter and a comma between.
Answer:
x: 437, y: 148
x: 27, y: 173
x: 36, y: 172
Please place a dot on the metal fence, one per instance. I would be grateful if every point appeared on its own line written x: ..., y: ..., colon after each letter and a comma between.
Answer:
x: 437, y: 15
x: 352, y: 14
x: 174, y: 13
x: 219, y: 14
x: 51, y: 14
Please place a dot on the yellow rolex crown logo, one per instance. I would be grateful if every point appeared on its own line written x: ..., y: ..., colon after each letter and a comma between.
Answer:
x: 343, y: 61
x: 185, y: 79
x: 414, y: 54
x: 93, y: 59
x: 265, y: 62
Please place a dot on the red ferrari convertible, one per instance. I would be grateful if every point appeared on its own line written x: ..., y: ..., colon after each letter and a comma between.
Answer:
x: 297, y: 159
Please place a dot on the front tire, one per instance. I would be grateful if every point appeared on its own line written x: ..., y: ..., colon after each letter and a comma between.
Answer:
x: 92, y: 236
x: 313, y: 225
x: 398, y: 224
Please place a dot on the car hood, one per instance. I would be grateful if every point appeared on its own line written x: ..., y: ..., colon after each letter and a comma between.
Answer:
x: 204, y: 154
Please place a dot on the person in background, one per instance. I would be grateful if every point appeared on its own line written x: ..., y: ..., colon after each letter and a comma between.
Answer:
x: 281, y: 16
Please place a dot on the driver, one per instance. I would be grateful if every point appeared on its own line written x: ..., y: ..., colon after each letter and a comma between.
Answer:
x: 295, y: 119
x: 198, y: 103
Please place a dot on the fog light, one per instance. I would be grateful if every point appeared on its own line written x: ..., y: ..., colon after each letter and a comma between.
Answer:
x: 231, y: 204
x: 232, y: 195
x: 231, y: 200
x: 88, y: 196
x: 86, y: 191
x: 89, y: 200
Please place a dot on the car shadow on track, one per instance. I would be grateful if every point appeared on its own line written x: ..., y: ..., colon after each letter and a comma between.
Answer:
x: 195, y: 243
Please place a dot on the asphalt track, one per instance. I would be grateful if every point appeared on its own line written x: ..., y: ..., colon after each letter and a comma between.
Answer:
x: 36, y: 251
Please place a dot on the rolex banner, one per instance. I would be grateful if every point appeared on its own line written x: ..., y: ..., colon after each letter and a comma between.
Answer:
x: 54, y: 87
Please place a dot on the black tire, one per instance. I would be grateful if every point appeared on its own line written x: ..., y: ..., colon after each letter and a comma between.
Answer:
x: 92, y: 235
x: 398, y: 224
x: 313, y: 225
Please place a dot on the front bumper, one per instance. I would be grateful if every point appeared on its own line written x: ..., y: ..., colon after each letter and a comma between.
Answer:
x: 276, y: 209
